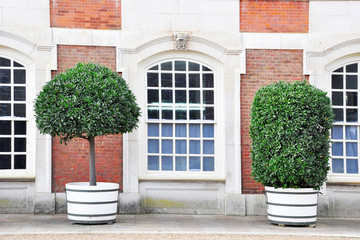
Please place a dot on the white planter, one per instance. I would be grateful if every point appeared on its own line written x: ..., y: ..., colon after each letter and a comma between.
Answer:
x: 92, y: 204
x: 291, y: 206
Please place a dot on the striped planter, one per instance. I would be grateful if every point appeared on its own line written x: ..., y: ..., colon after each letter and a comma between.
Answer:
x: 292, y: 206
x: 92, y: 204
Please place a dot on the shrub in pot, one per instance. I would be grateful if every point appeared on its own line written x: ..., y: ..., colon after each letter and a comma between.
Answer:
x: 87, y: 101
x: 290, y: 124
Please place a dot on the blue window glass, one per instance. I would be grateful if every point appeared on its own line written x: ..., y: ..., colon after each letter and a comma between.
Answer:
x: 337, y: 149
x: 351, y: 149
x: 180, y: 130
x: 167, y: 146
x: 153, y: 146
x: 167, y: 130
x: 208, y: 147
x: 153, y: 130
x: 194, y: 163
x: 337, y: 132
x: 208, y: 130
x: 351, y: 132
x: 352, y: 166
x: 167, y: 163
x: 153, y: 163
x: 180, y: 146
x: 337, y: 165
x: 194, y: 147
x: 208, y: 164
x: 180, y: 163
x: 194, y: 130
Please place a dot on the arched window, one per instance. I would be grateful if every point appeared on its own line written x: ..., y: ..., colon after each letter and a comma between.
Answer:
x: 345, y: 132
x: 13, y: 119
x: 180, y: 117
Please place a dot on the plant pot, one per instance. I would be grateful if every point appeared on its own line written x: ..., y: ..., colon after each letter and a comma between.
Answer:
x: 292, y: 206
x: 92, y: 204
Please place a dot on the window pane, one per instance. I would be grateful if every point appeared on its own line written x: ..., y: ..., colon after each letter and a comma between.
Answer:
x: 195, y: 114
x: 19, y: 77
x: 5, y: 109
x: 337, y: 165
x: 194, y: 96
x: 166, y: 80
x: 208, y: 80
x: 180, y: 146
x: 206, y: 69
x: 180, y: 130
x: 337, y: 98
x: 5, y: 93
x: 16, y: 64
x: 339, y: 115
x: 19, y: 94
x: 180, y: 80
x: 208, y: 130
x: 351, y: 149
x: 194, y: 66
x: 5, y: 161
x: 351, y: 99
x: 194, y: 163
x: 153, y: 163
x: 180, y: 163
x: 4, y: 62
x: 153, y: 146
x: 5, y: 76
x: 19, y: 110
x: 180, y: 66
x: 167, y: 163
x: 351, y: 132
x: 339, y: 70
x: 181, y: 114
x: 153, y: 113
x: 153, y: 130
x: 166, y: 66
x: 154, y: 67
x: 5, y: 127
x: 5, y: 144
x: 194, y: 147
x: 194, y: 130
x: 208, y: 97
x: 208, y: 146
x: 167, y: 114
x: 208, y: 164
x: 153, y: 79
x: 153, y: 96
x: 180, y: 96
x: 351, y: 82
x: 337, y: 149
x: 167, y: 146
x: 167, y: 130
x: 20, y: 162
x: 194, y: 80
x: 209, y: 113
x: 20, y: 144
x: 351, y: 115
x: 337, y: 81
x: 166, y: 96
x: 352, y: 166
x: 352, y: 68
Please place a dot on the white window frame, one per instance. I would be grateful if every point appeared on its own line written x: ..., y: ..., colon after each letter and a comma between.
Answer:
x: 218, y: 174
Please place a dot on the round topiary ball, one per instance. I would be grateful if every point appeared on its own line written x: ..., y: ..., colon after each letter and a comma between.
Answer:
x: 290, y: 125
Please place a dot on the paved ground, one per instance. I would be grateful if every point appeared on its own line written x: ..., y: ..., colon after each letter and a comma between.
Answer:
x: 51, y: 227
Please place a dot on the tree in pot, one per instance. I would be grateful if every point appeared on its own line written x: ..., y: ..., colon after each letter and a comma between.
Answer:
x: 87, y: 101
x: 290, y: 124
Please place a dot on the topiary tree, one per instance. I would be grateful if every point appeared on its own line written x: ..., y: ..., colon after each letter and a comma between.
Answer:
x: 290, y: 125
x: 86, y: 101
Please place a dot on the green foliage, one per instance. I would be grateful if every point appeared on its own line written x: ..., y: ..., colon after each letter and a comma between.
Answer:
x: 289, y: 129
x: 88, y: 100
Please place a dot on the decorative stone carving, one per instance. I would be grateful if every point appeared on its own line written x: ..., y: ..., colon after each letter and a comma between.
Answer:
x: 181, y: 40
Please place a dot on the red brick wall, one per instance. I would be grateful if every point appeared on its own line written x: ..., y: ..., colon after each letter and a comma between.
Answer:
x: 89, y: 14
x: 70, y: 163
x: 262, y: 68
x: 274, y: 16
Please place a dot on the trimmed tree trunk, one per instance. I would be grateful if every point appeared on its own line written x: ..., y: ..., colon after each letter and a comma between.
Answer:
x: 92, y: 162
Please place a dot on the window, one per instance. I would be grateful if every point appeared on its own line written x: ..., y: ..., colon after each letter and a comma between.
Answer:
x: 181, y: 125
x: 345, y: 132
x: 13, y: 119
